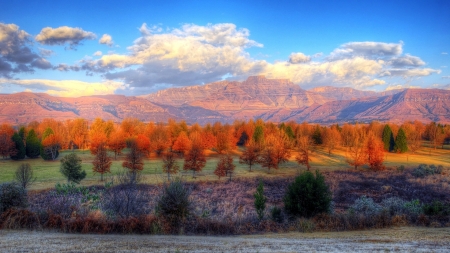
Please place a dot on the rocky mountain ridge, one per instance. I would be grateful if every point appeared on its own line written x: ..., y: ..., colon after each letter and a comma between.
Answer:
x: 257, y: 97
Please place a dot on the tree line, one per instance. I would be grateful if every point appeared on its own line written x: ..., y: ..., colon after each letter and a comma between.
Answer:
x: 266, y: 143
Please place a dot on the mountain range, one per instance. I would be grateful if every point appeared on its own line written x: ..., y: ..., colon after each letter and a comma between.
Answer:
x: 257, y: 97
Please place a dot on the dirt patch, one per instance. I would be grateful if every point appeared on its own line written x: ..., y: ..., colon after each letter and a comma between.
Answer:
x: 402, y: 239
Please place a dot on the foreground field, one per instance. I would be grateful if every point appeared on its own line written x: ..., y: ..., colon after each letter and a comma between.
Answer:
x: 399, y: 239
x: 47, y: 172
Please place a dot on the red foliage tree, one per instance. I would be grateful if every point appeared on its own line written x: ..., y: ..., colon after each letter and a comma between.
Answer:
x: 133, y: 161
x: 169, y: 164
x: 375, y: 152
x: 195, y: 159
x: 102, y: 162
x: 143, y: 144
x: 116, y: 142
x: 7, y: 146
x: 52, y: 145
x: 182, y: 143
x: 250, y: 155
x: 225, y: 166
x: 304, y: 144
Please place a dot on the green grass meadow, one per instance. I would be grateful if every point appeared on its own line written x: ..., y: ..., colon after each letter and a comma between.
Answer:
x: 48, y: 174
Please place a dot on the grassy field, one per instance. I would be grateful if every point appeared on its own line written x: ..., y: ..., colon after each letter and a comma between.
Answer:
x: 47, y: 172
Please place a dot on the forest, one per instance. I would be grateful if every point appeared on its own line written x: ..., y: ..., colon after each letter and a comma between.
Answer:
x: 281, y: 189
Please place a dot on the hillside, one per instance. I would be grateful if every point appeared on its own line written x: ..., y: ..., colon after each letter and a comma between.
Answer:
x: 257, y: 97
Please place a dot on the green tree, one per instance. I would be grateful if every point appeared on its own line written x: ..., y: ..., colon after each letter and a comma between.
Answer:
x: 388, y: 138
x: 71, y: 168
x: 317, y: 136
x: 260, y: 200
x: 258, y: 135
x: 19, y: 147
x: 47, y: 155
x: 33, y: 145
x: 401, y: 144
x: 289, y: 133
x: 22, y: 133
x: 308, y: 195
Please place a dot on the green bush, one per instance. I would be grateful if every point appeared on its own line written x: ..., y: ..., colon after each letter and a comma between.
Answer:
x: 12, y: 195
x: 71, y: 168
x: 436, y: 208
x: 174, y: 204
x: 276, y: 214
x: 308, y: 195
x: 260, y: 200
x: 424, y: 170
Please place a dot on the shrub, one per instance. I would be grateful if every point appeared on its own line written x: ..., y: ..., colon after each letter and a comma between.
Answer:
x: 413, y: 207
x: 12, y: 195
x: 24, y: 175
x: 436, y: 208
x: 305, y: 226
x: 276, y: 214
x: 125, y: 200
x: 308, y: 195
x: 401, y: 168
x: 260, y: 200
x: 174, y: 203
x: 424, y: 170
x: 365, y: 206
x: 71, y: 168
x: 394, y: 205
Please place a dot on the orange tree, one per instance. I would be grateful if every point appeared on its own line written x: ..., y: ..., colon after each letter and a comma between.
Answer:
x: 195, y: 159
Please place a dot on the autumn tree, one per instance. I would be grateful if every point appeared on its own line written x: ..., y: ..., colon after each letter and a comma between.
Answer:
x: 414, y: 132
x: 182, y: 143
x: 250, y: 155
x: 143, y: 144
x: 225, y: 166
x: 7, y: 146
x: 102, y: 161
x: 331, y: 139
x: 116, y: 142
x: 19, y: 147
x: 208, y: 140
x: 33, y: 145
x: 170, y: 165
x: 388, y: 138
x: 356, y: 156
x: 99, y: 139
x: 78, y: 131
x: 134, y: 160
x: 347, y: 135
x: 51, y: 144
x: 195, y: 159
x: 435, y: 134
x: 71, y: 168
x: 304, y: 144
x: 375, y: 152
x: 160, y: 139
x: 401, y: 143
x: 275, y: 152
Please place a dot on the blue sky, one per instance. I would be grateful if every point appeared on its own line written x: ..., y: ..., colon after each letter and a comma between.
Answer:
x: 138, y: 47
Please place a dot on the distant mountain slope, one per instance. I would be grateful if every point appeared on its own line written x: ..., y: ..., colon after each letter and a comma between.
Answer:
x: 411, y: 104
x: 346, y: 93
x: 25, y: 107
x: 258, y: 97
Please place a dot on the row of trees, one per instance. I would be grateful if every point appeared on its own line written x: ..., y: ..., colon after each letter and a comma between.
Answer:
x: 267, y: 144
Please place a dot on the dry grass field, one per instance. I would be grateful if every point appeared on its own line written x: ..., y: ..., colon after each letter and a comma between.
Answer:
x: 47, y: 172
x: 397, y: 239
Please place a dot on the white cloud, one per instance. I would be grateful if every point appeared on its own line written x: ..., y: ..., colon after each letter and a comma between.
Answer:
x: 445, y: 77
x: 444, y: 53
x: 106, y: 39
x: 295, y: 58
x: 406, y: 73
x: 196, y: 54
x: 68, y: 88
x: 98, y: 53
x: 406, y: 61
x: 63, y: 35
x: 367, y: 49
